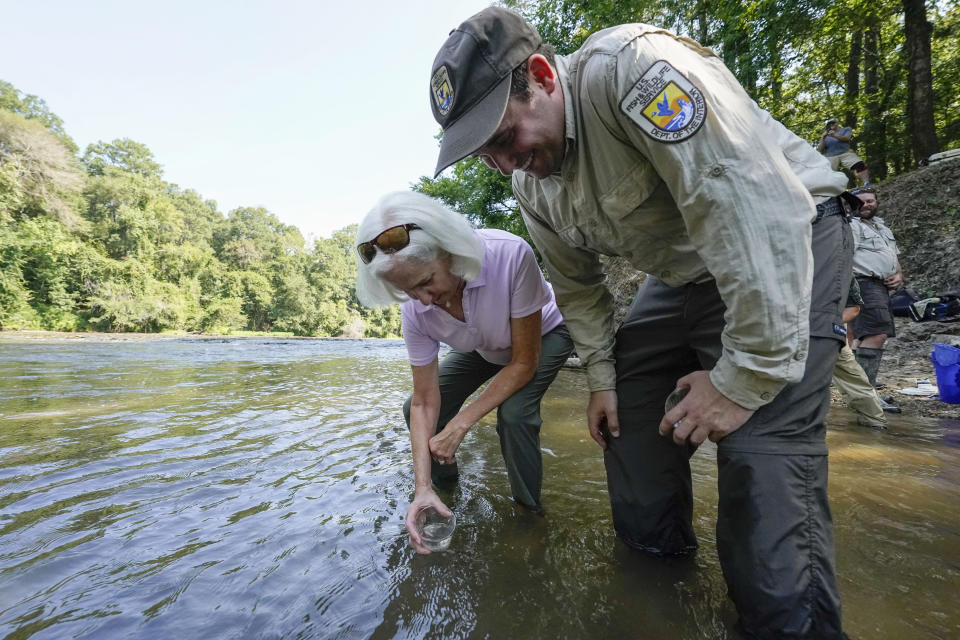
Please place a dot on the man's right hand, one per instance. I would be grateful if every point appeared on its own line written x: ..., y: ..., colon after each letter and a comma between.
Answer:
x: 602, y: 416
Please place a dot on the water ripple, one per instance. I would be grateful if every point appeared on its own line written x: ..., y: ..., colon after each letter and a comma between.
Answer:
x: 256, y: 488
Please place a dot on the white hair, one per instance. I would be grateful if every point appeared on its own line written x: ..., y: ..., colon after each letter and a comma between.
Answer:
x: 441, y: 233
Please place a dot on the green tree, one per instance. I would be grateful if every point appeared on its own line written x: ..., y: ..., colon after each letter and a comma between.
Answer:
x: 257, y: 300
x: 252, y: 235
x: 923, y: 133
x: 223, y: 315
x: 119, y: 208
x: 481, y: 194
x: 945, y: 61
x: 202, y: 215
x: 15, y: 310
x: 33, y: 108
x: 125, y: 154
x: 38, y: 174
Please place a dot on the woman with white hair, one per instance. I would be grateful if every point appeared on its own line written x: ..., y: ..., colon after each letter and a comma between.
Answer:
x: 482, y: 293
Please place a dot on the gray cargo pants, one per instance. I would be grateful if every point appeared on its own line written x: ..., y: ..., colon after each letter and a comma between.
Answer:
x: 774, y: 528
x: 518, y: 417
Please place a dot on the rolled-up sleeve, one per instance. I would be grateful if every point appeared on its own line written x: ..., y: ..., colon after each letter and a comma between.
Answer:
x: 746, y: 213
x: 577, y: 278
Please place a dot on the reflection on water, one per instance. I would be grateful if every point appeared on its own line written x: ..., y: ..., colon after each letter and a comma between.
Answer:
x: 255, y: 488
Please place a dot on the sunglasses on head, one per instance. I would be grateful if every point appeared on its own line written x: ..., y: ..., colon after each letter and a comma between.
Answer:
x: 390, y: 241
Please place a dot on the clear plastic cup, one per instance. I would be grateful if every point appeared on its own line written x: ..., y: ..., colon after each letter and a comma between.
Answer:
x: 435, y: 529
x: 674, y: 399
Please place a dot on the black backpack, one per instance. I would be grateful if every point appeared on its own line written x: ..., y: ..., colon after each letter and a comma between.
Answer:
x: 900, y: 301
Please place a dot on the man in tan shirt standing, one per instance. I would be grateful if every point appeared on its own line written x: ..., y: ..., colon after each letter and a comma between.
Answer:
x: 877, y: 268
x: 642, y: 144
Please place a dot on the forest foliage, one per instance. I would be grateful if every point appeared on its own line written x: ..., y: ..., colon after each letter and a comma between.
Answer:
x: 98, y: 240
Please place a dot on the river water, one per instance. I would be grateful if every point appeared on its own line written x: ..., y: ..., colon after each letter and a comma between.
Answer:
x: 256, y: 488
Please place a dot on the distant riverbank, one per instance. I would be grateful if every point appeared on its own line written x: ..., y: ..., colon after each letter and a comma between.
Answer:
x: 907, y: 357
x: 167, y: 335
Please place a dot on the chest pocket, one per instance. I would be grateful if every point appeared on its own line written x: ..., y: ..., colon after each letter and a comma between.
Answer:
x: 630, y: 191
x: 887, y: 236
x: 875, y: 240
x: 573, y: 236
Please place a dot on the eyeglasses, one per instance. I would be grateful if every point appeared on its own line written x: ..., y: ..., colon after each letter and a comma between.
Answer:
x: 389, y: 241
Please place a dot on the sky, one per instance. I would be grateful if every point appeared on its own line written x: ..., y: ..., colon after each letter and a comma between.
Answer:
x: 311, y: 110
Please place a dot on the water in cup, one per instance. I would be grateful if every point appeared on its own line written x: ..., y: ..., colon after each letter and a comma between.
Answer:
x: 435, y: 529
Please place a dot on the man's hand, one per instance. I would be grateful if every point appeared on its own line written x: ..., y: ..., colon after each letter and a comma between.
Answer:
x: 894, y: 281
x: 423, y: 499
x: 443, y: 446
x: 602, y: 417
x: 703, y: 413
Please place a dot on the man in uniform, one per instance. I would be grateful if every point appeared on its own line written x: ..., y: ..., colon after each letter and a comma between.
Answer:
x: 877, y: 269
x: 642, y: 144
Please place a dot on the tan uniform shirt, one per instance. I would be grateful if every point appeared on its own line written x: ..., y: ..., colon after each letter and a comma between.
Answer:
x: 875, y: 251
x: 728, y: 198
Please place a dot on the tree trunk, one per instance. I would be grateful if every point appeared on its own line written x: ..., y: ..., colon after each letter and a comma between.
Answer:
x: 853, y: 79
x: 702, y: 23
x: 873, y: 135
x: 923, y: 133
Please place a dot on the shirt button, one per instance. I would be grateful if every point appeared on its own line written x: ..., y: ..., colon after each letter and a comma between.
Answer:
x: 765, y: 395
x: 799, y: 355
x: 717, y: 171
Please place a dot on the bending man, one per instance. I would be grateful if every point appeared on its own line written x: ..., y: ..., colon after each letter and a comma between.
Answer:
x: 642, y: 144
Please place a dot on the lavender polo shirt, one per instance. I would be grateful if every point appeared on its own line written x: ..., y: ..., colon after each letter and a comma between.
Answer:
x: 510, y: 285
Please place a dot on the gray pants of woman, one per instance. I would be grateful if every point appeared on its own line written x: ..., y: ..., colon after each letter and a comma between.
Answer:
x: 518, y: 417
x: 774, y: 527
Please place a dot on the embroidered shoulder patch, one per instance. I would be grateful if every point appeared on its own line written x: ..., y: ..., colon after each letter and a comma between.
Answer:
x: 442, y: 91
x: 666, y: 105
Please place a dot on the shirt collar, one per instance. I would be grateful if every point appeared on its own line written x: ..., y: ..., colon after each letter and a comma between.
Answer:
x: 569, y: 116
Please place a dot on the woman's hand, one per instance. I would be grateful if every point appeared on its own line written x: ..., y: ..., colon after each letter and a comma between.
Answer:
x: 423, y: 499
x: 443, y: 446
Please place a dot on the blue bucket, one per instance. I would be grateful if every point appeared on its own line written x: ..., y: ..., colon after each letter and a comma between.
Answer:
x: 946, y: 362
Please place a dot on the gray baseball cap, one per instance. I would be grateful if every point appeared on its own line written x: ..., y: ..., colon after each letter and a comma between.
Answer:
x: 470, y: 80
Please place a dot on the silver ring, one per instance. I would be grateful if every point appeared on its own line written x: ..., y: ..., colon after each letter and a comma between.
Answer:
x: 677, y: 423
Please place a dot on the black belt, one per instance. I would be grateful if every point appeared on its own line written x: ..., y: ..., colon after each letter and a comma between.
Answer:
x: 831, y: 207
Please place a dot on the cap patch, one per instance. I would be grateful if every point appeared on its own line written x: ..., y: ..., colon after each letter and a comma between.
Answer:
x: 442, y: 90
x: 664, y: 104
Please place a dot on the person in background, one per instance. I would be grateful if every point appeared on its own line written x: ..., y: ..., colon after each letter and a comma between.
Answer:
x: 835, y: 145
x: 642, y: 144
x: 482, y: 293
x: 848, y: 376
x: 877, y: 268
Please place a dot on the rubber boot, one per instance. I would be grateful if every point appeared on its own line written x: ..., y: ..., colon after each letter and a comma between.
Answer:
x: 444, y: 476
x: 869, y: 360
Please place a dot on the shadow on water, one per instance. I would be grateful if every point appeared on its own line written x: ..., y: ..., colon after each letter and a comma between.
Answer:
x: 256, y: 488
